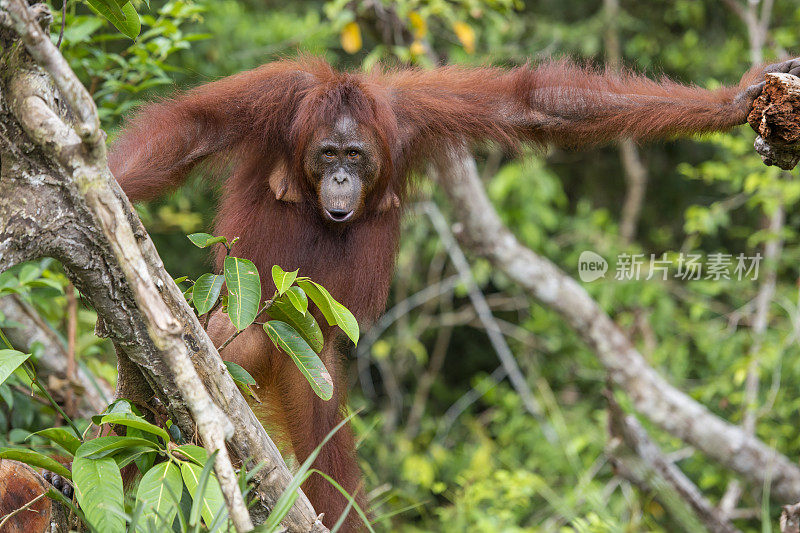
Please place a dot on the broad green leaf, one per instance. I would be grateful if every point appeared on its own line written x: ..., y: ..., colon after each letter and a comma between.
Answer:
x: 204, y: 240
x: 125, y: 19
x: 46, y: 283
x: 141, y: 456
x: 63, y: 437
x: 28, y: 273
x: 283, y: 280
x: 116, y: 407
x: 98, y: 486
x: 29, y: 457
x: 9, y: 361
x: 206, y: 292
x: 207, y: 498
x: 131, y: 420
x: 159, y: 491
x: 334, y: 312
x: 242, y: 379
x: 298, y: 298
x: 239, y: 374
x: 287, y: 339
x: 244, y: 291
x: 305, y: 324
x: 198, y: 454
x: 105, y: 446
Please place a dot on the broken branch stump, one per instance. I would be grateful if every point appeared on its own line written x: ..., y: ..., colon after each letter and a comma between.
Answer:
x: 776, y: 118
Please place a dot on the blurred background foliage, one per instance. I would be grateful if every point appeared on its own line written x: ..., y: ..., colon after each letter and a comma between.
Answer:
x: 491, y: 467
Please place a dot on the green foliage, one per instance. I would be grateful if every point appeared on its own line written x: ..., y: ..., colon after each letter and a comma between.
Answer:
x: 244, y: 291
x: 283, y: 280
x: 98, y: 489
x: 335, y: 313
x: 118, y: 71
x: 286, y: 338
x: 205, y: 292
x: 124, y: 17
x: 305, y: 324
x: 294, y: 330
x: 159, y: 493
x: 490, y: 468
x: 35, y: 459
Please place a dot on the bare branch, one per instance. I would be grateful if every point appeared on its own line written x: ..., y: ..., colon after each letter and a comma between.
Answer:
x: 654, y: 397
x: 647, y: 467
x: 93, y: 394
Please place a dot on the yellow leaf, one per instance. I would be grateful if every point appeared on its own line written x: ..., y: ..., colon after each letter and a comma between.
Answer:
x: 417, y: 48
x: 419, y: 24
x: 351, y: 38
x: 466, y: 35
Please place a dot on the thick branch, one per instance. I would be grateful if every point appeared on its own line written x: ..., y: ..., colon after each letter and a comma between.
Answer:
x: 654, y: 397
x: 776, y: 119
x: 62, y: 202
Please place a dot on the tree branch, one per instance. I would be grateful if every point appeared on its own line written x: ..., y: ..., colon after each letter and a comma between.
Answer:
x: 67, y: 205
x: 654, y: 397
x: 640, y: 460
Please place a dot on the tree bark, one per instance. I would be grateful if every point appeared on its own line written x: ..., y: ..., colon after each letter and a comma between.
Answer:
x: 776, y: 119
x: 23, y: 505
x: 60, y: 200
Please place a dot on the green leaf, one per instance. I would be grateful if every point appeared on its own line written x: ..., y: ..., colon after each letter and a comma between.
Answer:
x: 239, y: 374
x: 125, y: 19
x: 105, y: 446
x: 9, y: 361
x: 287, y: 339
x: 159, y: 491
x: 29, y: 457
x: 244, y: 291
x: 242, y: 379
x: 198, y: 454
x: 305, y: 324
x: 117, y: 406
x: 180, y: 279
x: 283, y: 280
x: 46, y: 283
x: 131, y: 420
x: 98, y: 486
x: 206, y: 292
x: 204, y: 240
x: 298, y: 298
x: 334, y: 312
x: 62, y: 437
x: 206, y: 493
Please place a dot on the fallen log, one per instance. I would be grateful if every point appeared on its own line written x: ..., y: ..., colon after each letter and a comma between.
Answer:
x: 24, y: 508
